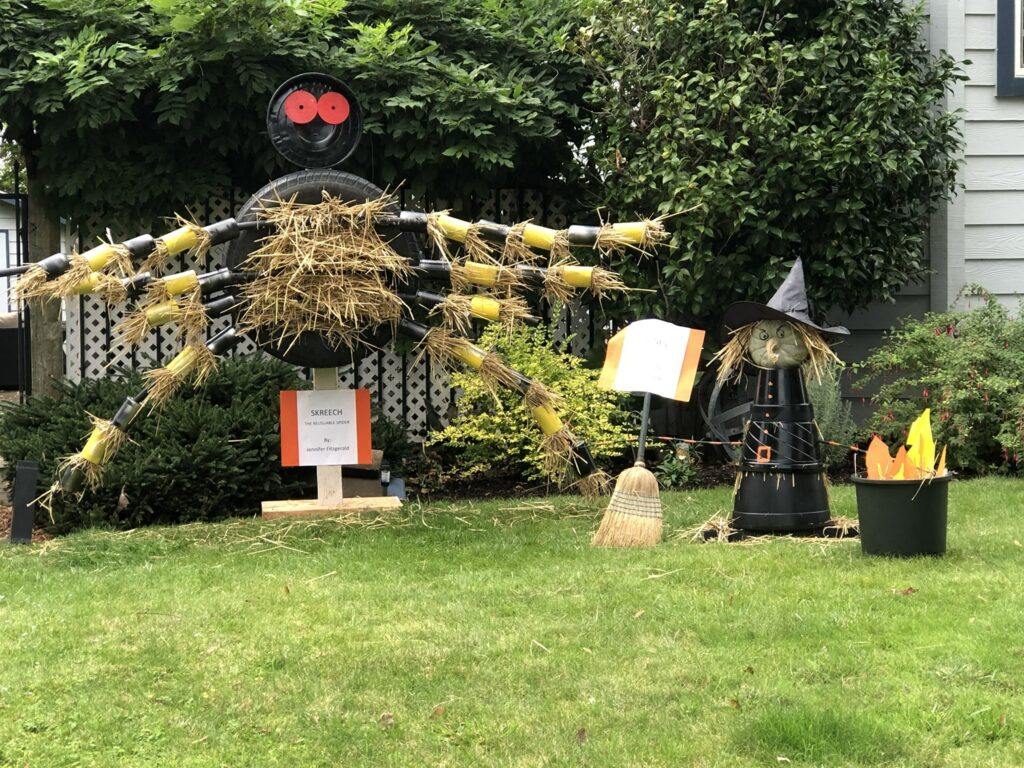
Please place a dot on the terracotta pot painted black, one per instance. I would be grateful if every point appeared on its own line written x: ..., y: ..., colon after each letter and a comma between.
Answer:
x: 902, y: 518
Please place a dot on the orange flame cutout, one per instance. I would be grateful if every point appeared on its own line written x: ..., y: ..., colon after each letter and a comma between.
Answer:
x: 914, y: 461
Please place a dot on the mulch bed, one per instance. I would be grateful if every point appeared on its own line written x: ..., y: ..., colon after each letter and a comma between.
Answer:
x: 38, y: 534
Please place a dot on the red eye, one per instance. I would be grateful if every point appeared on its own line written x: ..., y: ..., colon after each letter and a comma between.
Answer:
x: 332, y: 108
x: 300, y: 107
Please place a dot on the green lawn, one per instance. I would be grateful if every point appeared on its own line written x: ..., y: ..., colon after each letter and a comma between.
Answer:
x: 493, y: 634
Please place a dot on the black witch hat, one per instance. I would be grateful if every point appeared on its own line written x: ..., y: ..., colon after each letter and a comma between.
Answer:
x: 788, y: 303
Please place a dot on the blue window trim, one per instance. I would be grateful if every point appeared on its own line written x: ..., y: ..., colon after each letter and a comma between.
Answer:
x: 1008, y: 82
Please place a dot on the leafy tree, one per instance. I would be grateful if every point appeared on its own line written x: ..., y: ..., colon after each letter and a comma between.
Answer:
x: 774, y: 129
x: 132, y: 110
x: 8, y: 157
x: 136, y: 106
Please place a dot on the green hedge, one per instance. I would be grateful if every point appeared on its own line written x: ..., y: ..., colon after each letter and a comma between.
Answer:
x: 210, y: 453
x: 968, y: 367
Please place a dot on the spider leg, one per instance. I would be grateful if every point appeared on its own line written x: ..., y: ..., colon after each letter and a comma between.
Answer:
x: 63, y: 274
x: 564, y: 450
x: 86, y: 467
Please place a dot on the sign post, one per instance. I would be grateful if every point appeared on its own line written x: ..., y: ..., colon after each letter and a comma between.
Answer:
x: 326, y: 428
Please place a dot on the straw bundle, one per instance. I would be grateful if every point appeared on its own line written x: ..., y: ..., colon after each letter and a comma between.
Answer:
x: 538, y: 396
x: 557, y: 289
x: 634, y: 516
x: 162, y: 383
x: 505, y: 279
x: 457, y: 311
x: 35, y: 284
x: 437, y: 235
x: 110, y: 439
x: 516, y: 251
x: 325, y: 270
x: 561, y: 251
x: 477, y: 246
x: 596, y: 484
x: 611, y: 240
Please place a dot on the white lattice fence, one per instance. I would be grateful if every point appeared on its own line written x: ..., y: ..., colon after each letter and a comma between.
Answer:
x: 404, y: 388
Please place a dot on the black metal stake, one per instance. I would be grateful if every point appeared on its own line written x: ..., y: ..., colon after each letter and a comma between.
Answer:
x: 26, y: 487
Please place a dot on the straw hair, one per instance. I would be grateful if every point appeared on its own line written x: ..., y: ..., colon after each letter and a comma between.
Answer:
x: 113, y: 438
x: 110, y: 288
x: 203, y: 238
x: 558, y: 453
x: 634, y: 516
x: 732, y: 355
x: 496, y: 374
x: 558, y: 290
x: 442, y: 346
x: 157, y: 258
x: 561, y: 251
x: 596, y: 484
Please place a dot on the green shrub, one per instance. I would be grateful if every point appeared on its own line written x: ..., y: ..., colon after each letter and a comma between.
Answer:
x: 678, y: 469
x: 498, y: 438
x: 968, y: 367
x: 834, y: 417
x: 770, y: 130
x: 208, y: 454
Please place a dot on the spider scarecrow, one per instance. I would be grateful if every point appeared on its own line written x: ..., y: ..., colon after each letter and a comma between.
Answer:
x: 781, y: 486
x: 322, y: 262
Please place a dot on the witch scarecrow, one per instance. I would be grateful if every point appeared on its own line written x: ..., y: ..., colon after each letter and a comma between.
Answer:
x: 780, y: 481
x: 322, y: 264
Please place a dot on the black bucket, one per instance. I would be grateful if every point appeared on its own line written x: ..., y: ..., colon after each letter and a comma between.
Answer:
x: 902, y: 518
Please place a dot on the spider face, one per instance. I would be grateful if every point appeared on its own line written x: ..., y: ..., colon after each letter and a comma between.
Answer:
x: 314, y: 121
x: 776, y: 344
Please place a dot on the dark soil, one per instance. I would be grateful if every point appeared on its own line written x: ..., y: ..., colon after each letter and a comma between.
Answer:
x: 5, y: 528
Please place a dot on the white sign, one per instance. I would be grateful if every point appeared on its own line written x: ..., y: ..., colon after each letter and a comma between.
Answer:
x: 325, y: 427
x: 653, y: 356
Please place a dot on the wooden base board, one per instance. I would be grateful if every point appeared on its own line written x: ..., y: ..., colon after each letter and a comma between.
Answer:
x: 313, y: 507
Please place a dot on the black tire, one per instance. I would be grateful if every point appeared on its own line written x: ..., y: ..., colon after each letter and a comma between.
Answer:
x: 312, y: 350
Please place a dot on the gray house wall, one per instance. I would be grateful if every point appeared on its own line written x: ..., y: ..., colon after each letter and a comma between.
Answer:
x: 978, y: 237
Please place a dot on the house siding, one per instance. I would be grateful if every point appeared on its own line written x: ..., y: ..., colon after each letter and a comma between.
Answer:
x: 993, y: 206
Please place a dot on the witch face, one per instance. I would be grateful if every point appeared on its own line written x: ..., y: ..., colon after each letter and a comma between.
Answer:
x: 776, y: 344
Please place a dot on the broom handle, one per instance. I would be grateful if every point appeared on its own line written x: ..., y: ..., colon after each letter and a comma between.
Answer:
x: 644, y: 418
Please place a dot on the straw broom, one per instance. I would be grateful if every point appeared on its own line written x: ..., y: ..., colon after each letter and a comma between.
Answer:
x: 633, y: 517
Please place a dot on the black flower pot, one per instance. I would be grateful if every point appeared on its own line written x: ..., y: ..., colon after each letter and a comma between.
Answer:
x: 902, y: 518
